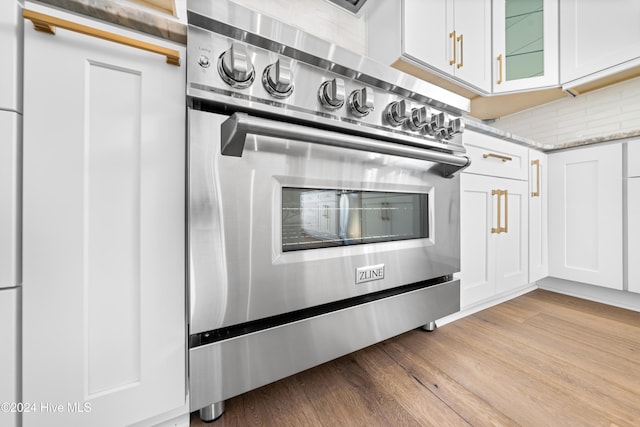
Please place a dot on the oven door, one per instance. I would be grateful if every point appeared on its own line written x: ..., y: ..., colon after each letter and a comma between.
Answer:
x: 284, y: 217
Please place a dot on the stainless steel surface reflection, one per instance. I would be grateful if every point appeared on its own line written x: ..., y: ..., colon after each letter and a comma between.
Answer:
x: 238, y: 269
x: 321, y: 220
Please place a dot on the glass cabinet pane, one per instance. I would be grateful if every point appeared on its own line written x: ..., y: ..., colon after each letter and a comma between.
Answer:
x: 524, y: 29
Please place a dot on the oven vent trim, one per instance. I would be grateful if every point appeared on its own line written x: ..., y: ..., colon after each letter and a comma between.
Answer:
x: 241, y: 329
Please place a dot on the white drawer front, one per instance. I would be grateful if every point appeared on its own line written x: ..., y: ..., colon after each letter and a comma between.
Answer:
x: 496, y: 157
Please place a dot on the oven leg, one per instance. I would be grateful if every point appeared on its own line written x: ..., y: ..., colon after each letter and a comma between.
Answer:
x: 212, y: 412
x: 430, y: 327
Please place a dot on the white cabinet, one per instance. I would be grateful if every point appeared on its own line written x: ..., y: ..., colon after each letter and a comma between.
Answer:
x: 494, y: 249
x: 633, y: 234
x: 585, y: 215
x: 494, y: 203
x: 595, y: 36
x: 11, y: 48
x: 633, y: 215
x: 525, y: 45
x: 451, y: 37
x: 538, y: 217
x: 103, y: 268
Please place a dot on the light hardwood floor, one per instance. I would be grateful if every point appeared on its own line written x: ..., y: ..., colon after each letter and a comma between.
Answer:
x: 542, y: 359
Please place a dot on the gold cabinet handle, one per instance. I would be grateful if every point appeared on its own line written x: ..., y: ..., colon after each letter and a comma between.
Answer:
x: 497, y: 156
x: 536, y: 163
x: 452, y: 35
x: 500, y: 69
x: 461, y: 40
x: 499, y: 229
x: 48, y: 24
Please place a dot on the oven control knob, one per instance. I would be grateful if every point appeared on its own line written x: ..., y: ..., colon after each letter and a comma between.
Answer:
x: 361, y: 101
x: 420, y: 117
x: 438, y: 123
x: 456, y: 126
x: 397, y: 113
x: 331, y: 94
x: 278, y: 78
x: 235, y: 67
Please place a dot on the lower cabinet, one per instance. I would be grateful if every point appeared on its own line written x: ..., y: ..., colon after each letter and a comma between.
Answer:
x: 104, y: 329
x: 538, y: 216
x: 494, y: 242
x: 633, y: 234
x: 585, y: 215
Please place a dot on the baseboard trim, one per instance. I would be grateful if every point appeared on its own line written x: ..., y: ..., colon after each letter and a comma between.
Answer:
x: 614, y: 297
x: 469, y: 310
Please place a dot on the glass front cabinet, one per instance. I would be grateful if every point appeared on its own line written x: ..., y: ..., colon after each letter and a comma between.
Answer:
x: 525, y: 44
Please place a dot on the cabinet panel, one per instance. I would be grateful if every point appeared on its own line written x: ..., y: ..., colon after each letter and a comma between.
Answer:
x: 512, y: 250
x: 633, y: 158
x: 492, y: 156
x: 104, y: 274
x: 477, y: 248
x: 449, y: 38
x: 525, y: 44
x: 438, y: 51
x: 472, y: 23
x: 585, y: 215
x: 594, y: 37
x: 633, y: 234
x: 538, y: 218
x: 492, y: 261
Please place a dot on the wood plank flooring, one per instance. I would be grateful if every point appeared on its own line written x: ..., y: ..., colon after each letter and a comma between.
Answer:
x: 542, y: 359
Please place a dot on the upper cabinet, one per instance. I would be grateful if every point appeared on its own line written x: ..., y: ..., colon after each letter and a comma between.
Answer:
x: 450, y: 38
x: 525, y: 44
x: 597, y: 40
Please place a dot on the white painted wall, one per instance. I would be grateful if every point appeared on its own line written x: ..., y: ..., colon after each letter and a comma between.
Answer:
x: 607, y: 111
x: 318, y: 17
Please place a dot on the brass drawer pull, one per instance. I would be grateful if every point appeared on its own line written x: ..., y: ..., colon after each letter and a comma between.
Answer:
x: 461, y: 40
x: 537, y: 165
x: 500, y: 69
x: 499, y: 229
x: 452, y: 35
x: 48, y: 24
x: 497, y: 156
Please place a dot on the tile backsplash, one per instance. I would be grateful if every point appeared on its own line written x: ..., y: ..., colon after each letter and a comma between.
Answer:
x: 607, y: 111
x: 318, y: 17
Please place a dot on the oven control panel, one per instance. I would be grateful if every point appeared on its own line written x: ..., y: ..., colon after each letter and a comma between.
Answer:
x: 251, y: 78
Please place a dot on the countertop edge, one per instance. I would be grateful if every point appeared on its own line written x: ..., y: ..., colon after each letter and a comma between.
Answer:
x: 486, y: 129
x: 126, y: 16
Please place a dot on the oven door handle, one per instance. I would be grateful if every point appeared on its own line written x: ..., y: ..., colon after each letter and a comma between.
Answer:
x: 235, y: 129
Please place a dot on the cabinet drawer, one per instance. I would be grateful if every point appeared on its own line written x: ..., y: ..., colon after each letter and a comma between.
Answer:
x: 633, y: 158
x: 496, y: 157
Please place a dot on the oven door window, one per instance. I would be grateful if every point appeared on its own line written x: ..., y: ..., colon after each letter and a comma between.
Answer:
x: 317, y: 218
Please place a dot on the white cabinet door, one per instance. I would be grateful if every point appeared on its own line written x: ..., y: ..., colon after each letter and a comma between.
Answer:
x: 633, y: 234
x: 477, y: 248
x: 472, y: 24
x: 538, y: 216
x: 104, y: 243
x: 11, y: 47
x: 595, y: 36
x: 493, y: 260
x: 512, y: 247
x: 585, y: 215
x: 525, y: 45
x: 428, y: 44
x: 451, y: 38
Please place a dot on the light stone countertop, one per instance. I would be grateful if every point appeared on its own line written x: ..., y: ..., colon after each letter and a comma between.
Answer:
x: 481, y: 127
x: 129, y: 16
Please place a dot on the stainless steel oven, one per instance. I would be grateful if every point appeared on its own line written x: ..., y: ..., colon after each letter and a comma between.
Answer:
x: 323, y: 202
